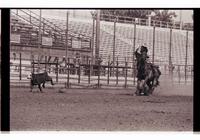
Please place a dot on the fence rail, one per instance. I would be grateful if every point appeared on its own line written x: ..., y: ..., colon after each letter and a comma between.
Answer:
x: 147, y: 22
x: 90, y: 75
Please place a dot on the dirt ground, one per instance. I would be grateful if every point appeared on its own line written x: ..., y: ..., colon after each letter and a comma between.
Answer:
x: 168, y: 109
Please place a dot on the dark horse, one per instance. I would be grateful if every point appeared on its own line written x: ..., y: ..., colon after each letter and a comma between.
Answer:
x: 147, y: 74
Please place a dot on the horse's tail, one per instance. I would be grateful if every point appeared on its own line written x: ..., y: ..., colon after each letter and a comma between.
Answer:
x: 157, y: 74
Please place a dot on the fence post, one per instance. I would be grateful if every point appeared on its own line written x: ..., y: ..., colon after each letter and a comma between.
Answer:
x: 99, y: 74
x: 125, y: 73
x: 57, y: 70
x: 186, y: 47
x: 153, y: 44
x: 134, y: 43
x: 114, y: 37
x: 68, y: 72
x: 170, y: 46
x: 108, y: 79
x: 20, y: 66
x: 179, y: 74
x: 66, y: 35
x: 89, y: 69
x: 117, y: 72
x: 45, y: 63
x: 79, y: 71
x: 93, y: 38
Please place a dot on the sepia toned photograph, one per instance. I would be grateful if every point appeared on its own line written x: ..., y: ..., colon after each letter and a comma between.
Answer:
x: 101, y: 70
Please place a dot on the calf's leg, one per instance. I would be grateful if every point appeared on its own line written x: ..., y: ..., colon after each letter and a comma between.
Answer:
x: 39, y: 86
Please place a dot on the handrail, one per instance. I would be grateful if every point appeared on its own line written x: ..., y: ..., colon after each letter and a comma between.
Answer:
x: 57, y: 27
x: 145, y: 21
x: 49, y: 24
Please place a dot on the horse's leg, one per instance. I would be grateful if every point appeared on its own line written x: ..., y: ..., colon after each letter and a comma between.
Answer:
x: 137, y: 92
x: 140, y: 88
x: 149, y: 86
x: 158, y: 73
x: 146, y: 90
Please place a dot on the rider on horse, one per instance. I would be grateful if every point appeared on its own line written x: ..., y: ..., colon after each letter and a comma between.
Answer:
x: 144, y: 67
x: 141, y: 51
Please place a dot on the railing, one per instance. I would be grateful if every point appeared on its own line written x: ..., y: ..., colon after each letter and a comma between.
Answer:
x: 126, y: 35
x: 29, y: 37
x: 70, y: 73
x: 146, y: 22
x: 32, y: 18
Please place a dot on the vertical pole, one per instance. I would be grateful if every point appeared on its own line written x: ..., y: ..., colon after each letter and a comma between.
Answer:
x: 57, y: 70
x: 45, y: 63
x: 66, y: 47
x: 108, y: 73
x: 68, y: 72
x: 125, y: 73
x: 79, y: 71
x: 149, y: 20
x: 134, y: 44
x: 117, y: 72
x: 114, y: 44
x: 99, y: 73
x: 89, y: 73
x: 20, y: 66
x: 153, y: 44
x: 181, y: 23
x: 186, y: 47
x: 170, y: 46
x: 179, y: 75
x: 39, y: 39
x: 93, y: 40
x: 97, y: 34
x: 43, y: 27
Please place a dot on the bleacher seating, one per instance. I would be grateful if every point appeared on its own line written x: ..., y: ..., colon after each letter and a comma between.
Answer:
x: 125, y: 37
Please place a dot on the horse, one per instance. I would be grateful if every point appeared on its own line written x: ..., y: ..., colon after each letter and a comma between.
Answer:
x: 152, y: 74
x: 148, y: 75
x: 38, y: 79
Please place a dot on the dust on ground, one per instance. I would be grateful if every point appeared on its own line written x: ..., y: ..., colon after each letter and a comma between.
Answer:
x: 169, y: 109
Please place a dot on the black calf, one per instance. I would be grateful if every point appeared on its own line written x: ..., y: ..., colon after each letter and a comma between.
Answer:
x: 38, y: 79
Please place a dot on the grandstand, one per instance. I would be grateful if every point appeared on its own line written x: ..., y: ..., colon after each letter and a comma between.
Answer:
x: 144, y: 34
x: 82, y: 30
x: 25, y: 32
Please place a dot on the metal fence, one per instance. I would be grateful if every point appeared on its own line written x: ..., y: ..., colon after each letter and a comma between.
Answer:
x: 169, y: 48
x: 166, y: 46
x: 148, y: 22
x: 69, y: 74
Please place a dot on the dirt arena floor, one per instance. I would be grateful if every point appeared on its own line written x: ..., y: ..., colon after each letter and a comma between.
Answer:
x: 168, y: 109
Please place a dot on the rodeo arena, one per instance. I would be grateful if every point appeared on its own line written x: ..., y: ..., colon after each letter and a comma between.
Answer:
x: 76, y: 72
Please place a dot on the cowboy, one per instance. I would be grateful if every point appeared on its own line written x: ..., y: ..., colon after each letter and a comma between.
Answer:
x: 140, y: 52
x: 142, y: 49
